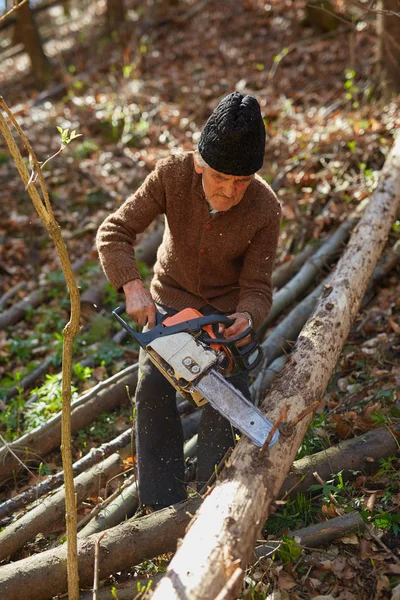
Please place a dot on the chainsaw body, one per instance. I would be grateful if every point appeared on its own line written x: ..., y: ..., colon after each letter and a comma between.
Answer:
x: 186, y: 349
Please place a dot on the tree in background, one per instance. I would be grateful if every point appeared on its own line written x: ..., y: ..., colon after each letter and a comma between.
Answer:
x: 115, y: 14
x: 388, y: 28
x: 27, y: 32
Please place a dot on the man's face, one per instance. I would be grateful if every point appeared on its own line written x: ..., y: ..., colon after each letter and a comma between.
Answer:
x: 223, y: 191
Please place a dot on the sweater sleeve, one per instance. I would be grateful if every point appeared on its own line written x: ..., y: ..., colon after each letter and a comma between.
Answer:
x: 117, y: 234
x: 255, y: 277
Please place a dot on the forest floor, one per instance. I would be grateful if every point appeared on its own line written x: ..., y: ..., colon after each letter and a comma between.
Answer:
x: 145, y: 93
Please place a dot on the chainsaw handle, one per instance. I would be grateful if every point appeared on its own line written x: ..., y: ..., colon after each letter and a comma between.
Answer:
x: 139, y: 337
x: 241, y: 354
x: 159, y: 330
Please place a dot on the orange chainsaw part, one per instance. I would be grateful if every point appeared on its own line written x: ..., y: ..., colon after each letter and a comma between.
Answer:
x: 191, y: 313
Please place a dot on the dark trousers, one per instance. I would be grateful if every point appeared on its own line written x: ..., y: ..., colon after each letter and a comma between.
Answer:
x: 159, y: 437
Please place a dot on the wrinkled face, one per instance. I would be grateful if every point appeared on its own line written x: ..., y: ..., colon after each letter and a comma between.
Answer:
x: 222, y: 191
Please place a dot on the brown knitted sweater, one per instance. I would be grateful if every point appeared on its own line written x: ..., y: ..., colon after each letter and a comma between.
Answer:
x: 225, y: 260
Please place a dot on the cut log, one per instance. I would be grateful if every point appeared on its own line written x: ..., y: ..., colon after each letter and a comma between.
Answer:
x: 304, y: 278
x: 231, y: 517
x: 42, y: 518
x: 34, y: 445
x: 128, y: 544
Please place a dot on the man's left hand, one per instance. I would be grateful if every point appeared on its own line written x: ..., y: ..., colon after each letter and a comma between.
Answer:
x: 240, y: 324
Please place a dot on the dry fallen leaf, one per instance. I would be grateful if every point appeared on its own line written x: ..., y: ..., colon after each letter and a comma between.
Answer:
x: 285, y: 581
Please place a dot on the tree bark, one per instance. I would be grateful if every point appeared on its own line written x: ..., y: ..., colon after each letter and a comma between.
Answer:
x: 27, y: 31
x: 231, y: 517
x: 388, y: 30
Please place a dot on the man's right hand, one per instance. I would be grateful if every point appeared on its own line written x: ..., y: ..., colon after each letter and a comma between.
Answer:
x: 139, y: 303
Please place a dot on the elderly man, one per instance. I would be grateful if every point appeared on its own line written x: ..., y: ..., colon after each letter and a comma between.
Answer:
x: 217, y: 254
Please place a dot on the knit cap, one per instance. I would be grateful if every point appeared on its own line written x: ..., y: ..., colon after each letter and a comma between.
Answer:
x: 233, y: 139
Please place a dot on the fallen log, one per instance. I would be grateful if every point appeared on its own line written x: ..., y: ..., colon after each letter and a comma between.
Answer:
x: 42, y: 518
x: 44, y: 487
x: 311, y: 537
x: 18, y: 310
x: 6, y: 297
x: 318, y: 534
x: 285, y: 272
x: 190, y: 423
x: 126, y: 503
x: 285, y: 334
x: 128, y: 544
x: 283, y: 337
x: 379, y: 443
x: 300, y: 282
x: 231, y: 517
x: 360, y: 453
x: 34, y: 445
x: 30, y: 378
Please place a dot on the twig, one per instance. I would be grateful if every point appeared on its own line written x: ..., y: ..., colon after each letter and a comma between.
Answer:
x: 282, y: 417
x: 96, y: 565
x: 304, y: 413
x: 15, y: 456
x: 376, y: 11
x: 4, y: 17
x: 381, y: 544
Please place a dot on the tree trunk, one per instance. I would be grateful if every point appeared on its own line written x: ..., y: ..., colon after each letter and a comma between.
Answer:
x: 28, y: 33
x: 231, y: 517
x: 388, y: 30
x: 115, y: 14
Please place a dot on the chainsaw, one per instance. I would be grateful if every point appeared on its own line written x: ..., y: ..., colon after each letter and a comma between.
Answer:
x: 188, y: 352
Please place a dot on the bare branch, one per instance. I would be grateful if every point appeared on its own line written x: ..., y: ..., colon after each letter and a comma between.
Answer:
x: 15, y: 8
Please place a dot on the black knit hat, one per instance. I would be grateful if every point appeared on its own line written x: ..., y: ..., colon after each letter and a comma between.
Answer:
x: 233, y: 139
